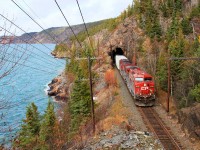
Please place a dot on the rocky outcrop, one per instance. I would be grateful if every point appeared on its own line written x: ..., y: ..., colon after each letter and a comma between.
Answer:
x: 58, y: 88
x: 118, y: 138
x: 125, y: 35
x: 190, y: 120
x: 60, y: 54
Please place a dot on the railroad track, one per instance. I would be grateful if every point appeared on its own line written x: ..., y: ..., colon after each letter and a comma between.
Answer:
x: 156, y: 125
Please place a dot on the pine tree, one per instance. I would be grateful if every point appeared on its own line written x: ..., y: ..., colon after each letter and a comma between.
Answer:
x: 162, y: 72
x: 79, y: 103
x: 195, y: 93
x: 176, y: 48
x: 29, y: 133
x: 172, y: 31
x: 164, y: 9
x: 47, y: 127
x: 186, y: 26
x: 148, y: 18
x: 129, y: 11
x: 178, y: 5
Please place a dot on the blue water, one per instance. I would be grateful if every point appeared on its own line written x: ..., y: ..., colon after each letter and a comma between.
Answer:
x: 26, y: 83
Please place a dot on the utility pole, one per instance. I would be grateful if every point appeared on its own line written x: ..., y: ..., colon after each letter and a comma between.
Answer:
x: 98, y: 49
x: 91, y: 94
x: 169, y: 84
x: 89, y: 58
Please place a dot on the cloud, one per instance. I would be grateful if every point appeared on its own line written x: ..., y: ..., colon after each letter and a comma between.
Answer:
x: 48, y: 15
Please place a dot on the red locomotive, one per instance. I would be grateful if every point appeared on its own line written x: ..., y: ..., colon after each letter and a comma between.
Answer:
x: 139, y: 83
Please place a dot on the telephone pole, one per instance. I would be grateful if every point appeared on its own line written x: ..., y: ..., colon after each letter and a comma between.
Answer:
x: 91, y: 94
x: 89, y: 58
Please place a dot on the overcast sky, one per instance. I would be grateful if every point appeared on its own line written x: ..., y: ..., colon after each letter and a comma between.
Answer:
x: 47, y: 14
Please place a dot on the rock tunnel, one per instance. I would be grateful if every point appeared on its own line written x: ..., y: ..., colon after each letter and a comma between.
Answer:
x: 113, y: 53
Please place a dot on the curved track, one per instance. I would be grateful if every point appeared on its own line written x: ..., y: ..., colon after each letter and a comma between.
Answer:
x: 156, y: 125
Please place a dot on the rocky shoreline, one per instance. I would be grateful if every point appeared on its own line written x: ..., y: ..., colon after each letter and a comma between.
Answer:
x: 58, y: 88
x: 59, y: 56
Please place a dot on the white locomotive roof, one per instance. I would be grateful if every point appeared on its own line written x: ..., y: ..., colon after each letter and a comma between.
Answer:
x: 118, y: 58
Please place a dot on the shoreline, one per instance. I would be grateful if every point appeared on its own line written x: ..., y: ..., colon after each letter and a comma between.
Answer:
x: 58, y: 88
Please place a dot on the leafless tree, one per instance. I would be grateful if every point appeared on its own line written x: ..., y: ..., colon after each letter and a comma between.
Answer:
x: 10, y: 58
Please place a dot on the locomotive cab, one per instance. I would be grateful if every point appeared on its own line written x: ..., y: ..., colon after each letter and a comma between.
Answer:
x: 143, y: 89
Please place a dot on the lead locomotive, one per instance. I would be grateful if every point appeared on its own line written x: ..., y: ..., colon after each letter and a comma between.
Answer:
x: 139, y: 83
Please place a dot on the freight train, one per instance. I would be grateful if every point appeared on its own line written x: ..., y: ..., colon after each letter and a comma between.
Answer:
x: 139, y: 83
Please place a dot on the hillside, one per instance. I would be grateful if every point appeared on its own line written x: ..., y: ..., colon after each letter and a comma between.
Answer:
x: 60, y: 34
x: 153, y: 31
x: 150, y: 32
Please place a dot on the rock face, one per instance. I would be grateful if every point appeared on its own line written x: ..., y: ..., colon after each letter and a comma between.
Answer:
x: 122, y: 139
x: 125, y: 34
x: 59, y: 88
x: 190, y: 120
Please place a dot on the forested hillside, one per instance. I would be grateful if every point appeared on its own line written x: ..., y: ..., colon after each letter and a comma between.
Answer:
x: 173, y: 27
x: 169, y: 29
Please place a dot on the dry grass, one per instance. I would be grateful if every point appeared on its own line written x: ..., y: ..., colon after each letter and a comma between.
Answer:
x: 162, y: 99
x: 117, y: 114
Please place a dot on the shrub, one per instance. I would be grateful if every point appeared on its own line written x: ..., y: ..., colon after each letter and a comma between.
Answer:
x: 195, y: 93
x: 195, y: 12
x: 110, y: 78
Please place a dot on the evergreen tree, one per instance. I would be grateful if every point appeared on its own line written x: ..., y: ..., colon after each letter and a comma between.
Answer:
x: 148, y: 17
x: 29, y: 133
x: 163, y: 7
x: 176, y: 48
x: 186, y: 26
x: 129, y: 11
x: 79, y: 103
x: 162, y: 72
x: 47, y: 127
x: 72, y: 66
x: 170, y: 6
x: 178, y: 5
x: 195, y: 12
x: 172, y: 31
x: 195, y: 93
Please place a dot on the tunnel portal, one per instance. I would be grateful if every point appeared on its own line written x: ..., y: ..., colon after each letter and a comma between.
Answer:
x: 113, y: 53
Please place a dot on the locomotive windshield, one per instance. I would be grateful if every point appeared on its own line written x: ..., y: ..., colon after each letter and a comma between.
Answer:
x: 139, y: 79
x: 148, y: 79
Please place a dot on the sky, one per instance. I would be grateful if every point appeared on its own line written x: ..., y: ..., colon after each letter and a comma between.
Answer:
x: 47, y: 14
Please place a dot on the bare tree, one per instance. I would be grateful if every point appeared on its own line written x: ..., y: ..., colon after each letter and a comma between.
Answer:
x: 10, y: 58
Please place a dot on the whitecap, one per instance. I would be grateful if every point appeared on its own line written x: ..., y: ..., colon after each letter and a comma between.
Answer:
x: 47, y: 88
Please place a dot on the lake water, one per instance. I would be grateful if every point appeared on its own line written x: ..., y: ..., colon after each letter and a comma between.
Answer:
x: 26, y: 83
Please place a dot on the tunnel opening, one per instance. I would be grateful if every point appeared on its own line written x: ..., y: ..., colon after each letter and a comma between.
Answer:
x: 113, y: 53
